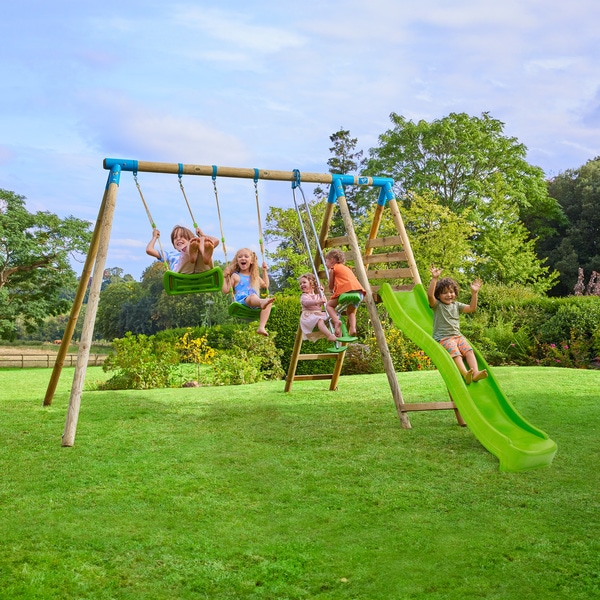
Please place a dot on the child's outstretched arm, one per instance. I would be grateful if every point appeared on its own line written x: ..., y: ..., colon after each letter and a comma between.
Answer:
x: 435, y: 273
x: 265, y: 277
x: 475, y: 287
x: 150, y: 249
x: 230, y: 280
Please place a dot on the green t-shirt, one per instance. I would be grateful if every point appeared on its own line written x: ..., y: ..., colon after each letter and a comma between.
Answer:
x: 446, y: 319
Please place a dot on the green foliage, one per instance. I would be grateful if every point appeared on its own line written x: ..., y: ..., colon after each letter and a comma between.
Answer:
x: 471, y: 168
x: 140, y: 363
x: 575, y: 244
x: 112, y: 300
x: 35, y: 269
x: 218, y: 337
x: 195, y: 350
x: 252, y: 358
x: 512, y: 326
x: 291, y: 258
x: 233, y: 368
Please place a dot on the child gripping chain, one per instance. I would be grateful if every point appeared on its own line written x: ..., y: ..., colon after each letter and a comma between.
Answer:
x: 192, y: 254
x: 442, y: 295
x: 243, y: 277
x: 312, y: 300
x: 341, y: 280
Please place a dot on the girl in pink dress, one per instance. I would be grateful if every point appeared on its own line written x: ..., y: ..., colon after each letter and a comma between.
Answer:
x: 313, y: 315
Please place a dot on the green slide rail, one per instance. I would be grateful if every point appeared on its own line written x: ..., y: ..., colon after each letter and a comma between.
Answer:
x: 487, y: 411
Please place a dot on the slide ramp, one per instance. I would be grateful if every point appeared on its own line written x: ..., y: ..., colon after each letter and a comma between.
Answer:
x: 487, y: 411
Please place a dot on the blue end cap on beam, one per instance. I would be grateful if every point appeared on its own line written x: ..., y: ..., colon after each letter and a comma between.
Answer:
x: 124, y: 164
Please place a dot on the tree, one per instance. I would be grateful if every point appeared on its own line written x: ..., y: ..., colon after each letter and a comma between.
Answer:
x: 459, y: 158
x: 36, y: 277
x: 577, y: 243
x: 345, y: 160
x: 291, y: 258
x: 505, y: 249
x: 113, y: 298
x: 437, y: 236
x: 467, y: 163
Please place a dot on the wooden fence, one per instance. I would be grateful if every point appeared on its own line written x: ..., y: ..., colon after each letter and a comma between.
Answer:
x: 22, y: 361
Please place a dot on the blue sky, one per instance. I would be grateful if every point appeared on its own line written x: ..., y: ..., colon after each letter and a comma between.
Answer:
x: 263, y: 84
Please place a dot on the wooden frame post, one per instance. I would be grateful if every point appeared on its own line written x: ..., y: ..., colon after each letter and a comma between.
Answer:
x: 68, y: 438
x: 372, y: 308
x: 77, y: 303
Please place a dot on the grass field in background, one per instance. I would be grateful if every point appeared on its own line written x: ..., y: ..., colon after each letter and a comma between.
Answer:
x: 249, y: 492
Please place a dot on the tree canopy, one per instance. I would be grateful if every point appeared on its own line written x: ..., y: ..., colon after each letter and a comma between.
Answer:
x: 36, y: 277
x: 468, y: 165
x: 577, y: 242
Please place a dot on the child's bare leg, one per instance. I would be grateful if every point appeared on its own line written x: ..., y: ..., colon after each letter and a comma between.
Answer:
x: 325, y: 331
x: 467, y: 375
x: 351, y: 312
x: 330, y: 308
x: 206, y: 250
x: 193, y: 249
x: 472, y: 362
x: 264, y: 317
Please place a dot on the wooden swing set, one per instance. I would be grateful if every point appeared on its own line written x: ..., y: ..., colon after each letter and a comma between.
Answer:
x: 380, y: 259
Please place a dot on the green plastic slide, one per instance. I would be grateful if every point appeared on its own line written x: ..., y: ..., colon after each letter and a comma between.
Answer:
x: 487, y: 411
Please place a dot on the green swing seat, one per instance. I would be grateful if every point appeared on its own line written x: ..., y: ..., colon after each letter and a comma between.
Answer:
x: 194, y: 283
x: 343, y: 301
x: 244, y: 312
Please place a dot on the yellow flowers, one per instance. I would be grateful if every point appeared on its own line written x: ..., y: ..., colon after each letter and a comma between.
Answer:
x: 195, y: 350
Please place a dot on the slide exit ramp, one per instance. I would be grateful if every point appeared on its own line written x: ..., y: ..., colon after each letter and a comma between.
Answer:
x: 487, y: 411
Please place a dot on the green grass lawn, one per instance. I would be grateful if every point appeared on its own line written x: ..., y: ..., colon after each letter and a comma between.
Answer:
x: 248, y: 492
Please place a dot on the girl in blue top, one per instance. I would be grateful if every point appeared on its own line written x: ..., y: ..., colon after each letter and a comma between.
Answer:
x: 243, y: 277
x: 442, y: 295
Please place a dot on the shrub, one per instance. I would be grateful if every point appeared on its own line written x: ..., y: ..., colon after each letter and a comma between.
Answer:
x: 233, y: 368
x: 252, y: 358
x: 141, y: 362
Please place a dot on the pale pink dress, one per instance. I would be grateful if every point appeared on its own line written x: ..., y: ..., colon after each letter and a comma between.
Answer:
x: 312, y: 313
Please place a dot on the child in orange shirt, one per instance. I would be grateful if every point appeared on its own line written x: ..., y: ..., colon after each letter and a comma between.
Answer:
x: 341, y: 280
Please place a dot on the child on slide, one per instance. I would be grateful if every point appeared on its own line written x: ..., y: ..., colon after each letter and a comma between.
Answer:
x: 442, y: 295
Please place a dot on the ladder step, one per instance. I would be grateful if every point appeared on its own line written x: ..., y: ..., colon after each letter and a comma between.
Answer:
x: 384, y: 258
x: 388, y: 273
x: 319, y: 356
x: 313, y: 377
x: 427, y: 406
x: 336, y: 241
x: 393, y: 240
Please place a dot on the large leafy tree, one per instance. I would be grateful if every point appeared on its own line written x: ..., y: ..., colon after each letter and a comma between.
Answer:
x: 577, y: 243
x: 460, y: 158
x: 472, y: 168
x: 36, y: 277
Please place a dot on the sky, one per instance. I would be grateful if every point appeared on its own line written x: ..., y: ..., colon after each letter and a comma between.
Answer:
x: 263, y: 84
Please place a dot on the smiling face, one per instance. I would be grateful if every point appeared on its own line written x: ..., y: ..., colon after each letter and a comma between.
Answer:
x: 305, y: 285
x: 180, y: 243
x: 447, y: 296
x: 244, y: 259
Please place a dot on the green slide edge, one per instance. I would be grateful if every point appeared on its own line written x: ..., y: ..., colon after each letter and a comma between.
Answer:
x: 489, y: 414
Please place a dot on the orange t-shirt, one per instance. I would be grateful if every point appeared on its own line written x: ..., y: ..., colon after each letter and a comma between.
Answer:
x: 344, y: 281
